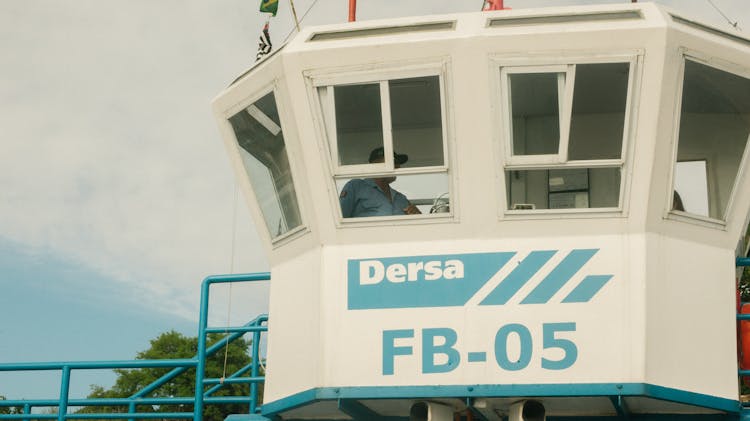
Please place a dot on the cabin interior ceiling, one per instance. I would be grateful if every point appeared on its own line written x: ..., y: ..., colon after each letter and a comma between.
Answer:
x: 712, y: 90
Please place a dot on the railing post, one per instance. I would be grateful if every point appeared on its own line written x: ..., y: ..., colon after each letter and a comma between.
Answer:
x: 254, y: 372
x: 201, y: 367
x: 26, y: 410
x: 62, y: 407
x: 131, y: 409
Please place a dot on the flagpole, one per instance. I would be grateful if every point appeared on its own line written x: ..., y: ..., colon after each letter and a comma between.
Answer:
x: 294, y: 12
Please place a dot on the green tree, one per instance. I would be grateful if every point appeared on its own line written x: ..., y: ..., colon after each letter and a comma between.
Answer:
x: 9, y: 410
x: 171, y: 345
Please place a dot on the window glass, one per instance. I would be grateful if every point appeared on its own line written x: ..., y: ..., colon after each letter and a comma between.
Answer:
x: 403, y: 116
x: 359, y: 122
x: 560, y: 118
x: 574, y: 188
x: 263, y: 152
x: 598, y: 117
x: 691, y: 187
x: 535, y: 105
x: 416, y: 120
x: 714, y: 128
x: 363, y: 197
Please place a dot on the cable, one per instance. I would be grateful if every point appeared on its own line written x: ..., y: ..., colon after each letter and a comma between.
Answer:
x: 231, y: 270
x: 300, y: 21
x: 734, y: 24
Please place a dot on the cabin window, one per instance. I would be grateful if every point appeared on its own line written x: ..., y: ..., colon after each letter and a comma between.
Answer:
x: 565, y: 126
x: 713, y: 134
x: 388, y: 145
x: 261, y: 145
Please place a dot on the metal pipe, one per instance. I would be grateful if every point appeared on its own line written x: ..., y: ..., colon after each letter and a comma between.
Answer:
x: 210, y: 351
x: 743, y: 261
x: 255, y: 355
x: 237, y: 277
x: 62, y: 408
x: 97, y: 365
x: 184, y: 400
x: 236, y: 374
x: 146, y: 415
x: 235, y: 380
x: 201, y: 367
x: 203, y: 326
x: 352, y: 10
x: 244, y: 329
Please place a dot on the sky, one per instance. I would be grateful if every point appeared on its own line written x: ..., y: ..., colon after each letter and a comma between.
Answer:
x: 117, y: 196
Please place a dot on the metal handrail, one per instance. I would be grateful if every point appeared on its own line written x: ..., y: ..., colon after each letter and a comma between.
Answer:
x: 256, y: 327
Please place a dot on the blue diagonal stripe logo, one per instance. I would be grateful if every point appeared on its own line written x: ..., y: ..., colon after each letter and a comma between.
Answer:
x: 452, y: 280
x: 518, y: 278
x: 559, y: 276
x: 586, y: 290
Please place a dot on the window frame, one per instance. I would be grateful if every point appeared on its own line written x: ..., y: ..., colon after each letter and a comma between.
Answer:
x: 502, y: 66
x: 686, y: 54
x: 564, y: 101
x: 246, y: 184
x: 326, y: 129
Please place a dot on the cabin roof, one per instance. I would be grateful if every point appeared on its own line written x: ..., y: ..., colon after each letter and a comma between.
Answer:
x: 582, y: 18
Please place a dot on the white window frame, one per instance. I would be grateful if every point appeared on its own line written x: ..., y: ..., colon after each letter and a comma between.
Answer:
x: 329, y: 82
x: 246, y: 184
x: 564, y: 106
x: 328, y: 79
x: 669, y: 213
x: 504, y: 66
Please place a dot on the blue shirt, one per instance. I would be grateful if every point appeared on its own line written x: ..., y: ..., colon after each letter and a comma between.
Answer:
x: 364, y: 198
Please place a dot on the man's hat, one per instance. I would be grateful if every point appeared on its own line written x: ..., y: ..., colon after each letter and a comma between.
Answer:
x: 379, y: 153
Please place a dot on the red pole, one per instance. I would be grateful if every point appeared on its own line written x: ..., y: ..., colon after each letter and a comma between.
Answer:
x: 495, y: 5
x: 352, y: 10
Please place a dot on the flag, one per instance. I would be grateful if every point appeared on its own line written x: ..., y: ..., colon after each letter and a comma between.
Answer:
x: 264, y: 43
x: 269, y: 6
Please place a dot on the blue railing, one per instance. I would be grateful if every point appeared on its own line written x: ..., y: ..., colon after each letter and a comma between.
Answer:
x: 202, y: 395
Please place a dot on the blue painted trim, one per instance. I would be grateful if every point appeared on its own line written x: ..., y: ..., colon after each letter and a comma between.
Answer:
x: 512, y: 390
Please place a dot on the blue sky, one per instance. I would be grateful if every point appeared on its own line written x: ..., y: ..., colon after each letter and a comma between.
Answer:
x: 117, y: 197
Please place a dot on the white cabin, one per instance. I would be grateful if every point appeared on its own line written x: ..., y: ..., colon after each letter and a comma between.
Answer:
x: 582, y: 177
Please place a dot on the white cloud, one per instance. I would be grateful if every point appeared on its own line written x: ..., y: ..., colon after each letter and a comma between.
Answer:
x: 110, y: 152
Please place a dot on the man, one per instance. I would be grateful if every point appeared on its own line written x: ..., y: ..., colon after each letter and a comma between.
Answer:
x: 374, y: 196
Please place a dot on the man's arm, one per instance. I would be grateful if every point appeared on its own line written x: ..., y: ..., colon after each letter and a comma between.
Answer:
x: 412, y: 210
